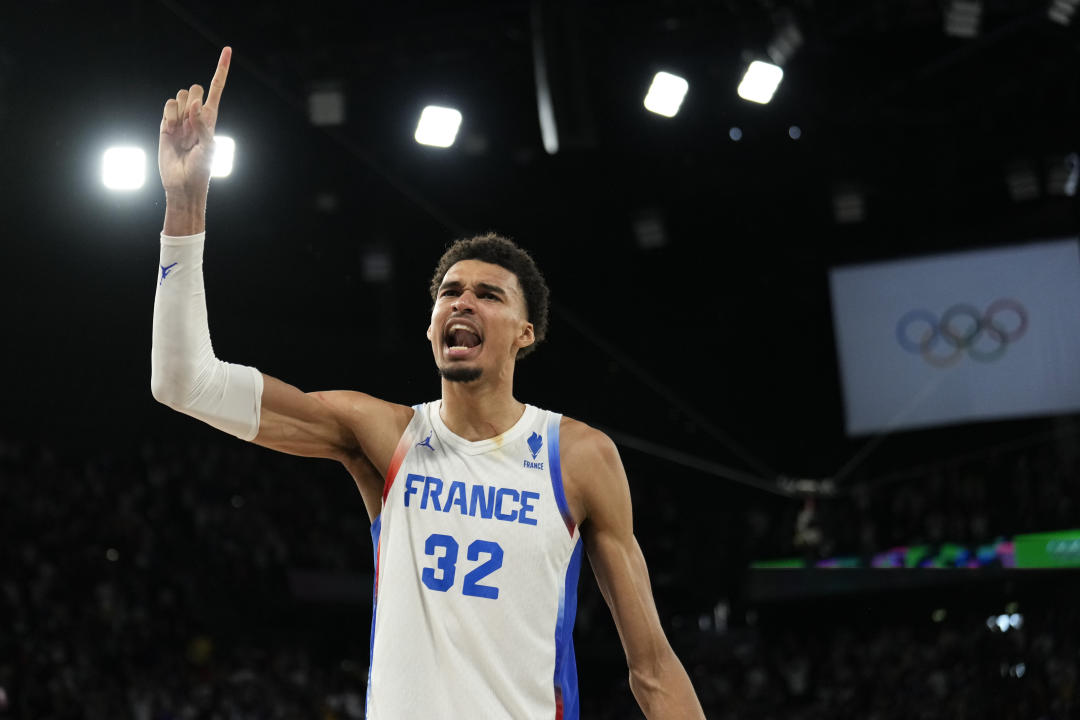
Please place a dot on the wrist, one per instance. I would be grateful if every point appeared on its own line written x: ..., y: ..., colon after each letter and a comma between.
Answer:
x: 184, y: 215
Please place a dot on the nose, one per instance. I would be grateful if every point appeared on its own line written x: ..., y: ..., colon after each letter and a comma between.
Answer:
x: 463, y: 303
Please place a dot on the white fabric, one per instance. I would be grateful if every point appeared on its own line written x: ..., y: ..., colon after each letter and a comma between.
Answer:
x: 185, y: 375
x: 452, y: 651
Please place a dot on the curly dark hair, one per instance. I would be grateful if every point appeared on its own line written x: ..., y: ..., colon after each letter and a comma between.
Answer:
x: 498, y: 250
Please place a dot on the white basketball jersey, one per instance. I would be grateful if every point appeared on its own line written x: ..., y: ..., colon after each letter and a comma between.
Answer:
x: 476, y: 566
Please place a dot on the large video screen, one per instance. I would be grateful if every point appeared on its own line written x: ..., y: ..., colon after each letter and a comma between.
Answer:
x: 1057, y: 549
x: 955, y: 338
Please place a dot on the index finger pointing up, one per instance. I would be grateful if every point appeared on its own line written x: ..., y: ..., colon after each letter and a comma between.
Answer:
x: 218, y: 83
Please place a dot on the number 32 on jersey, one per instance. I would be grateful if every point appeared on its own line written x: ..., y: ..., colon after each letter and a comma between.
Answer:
x: 441, y: 577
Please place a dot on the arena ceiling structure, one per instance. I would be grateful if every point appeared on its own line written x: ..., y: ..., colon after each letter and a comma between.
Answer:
x: 688, y: 256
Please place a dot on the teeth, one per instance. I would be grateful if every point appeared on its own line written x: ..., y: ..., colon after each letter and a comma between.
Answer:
x: 462, y: 326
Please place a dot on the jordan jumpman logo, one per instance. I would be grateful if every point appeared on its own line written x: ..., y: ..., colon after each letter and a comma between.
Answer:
x: 165, y: 272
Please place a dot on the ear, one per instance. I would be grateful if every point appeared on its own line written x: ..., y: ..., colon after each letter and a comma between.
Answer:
x: 526, y: 337
x: 428, y: 332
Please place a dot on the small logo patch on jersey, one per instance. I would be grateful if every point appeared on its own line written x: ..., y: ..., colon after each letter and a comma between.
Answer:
x: 426, y: 443
x: 165, y: 272
x: 535, y: 443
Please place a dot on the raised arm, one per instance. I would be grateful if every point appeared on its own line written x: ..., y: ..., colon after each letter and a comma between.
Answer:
x: 351, y: 427
x: 657, y: 678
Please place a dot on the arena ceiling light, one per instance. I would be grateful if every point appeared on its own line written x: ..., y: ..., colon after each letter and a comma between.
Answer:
x: 224, y: 151
x: 326, y: 106
x: 1002, y: 623
x: 1022, y: 182
x: 1062, y: 11
x: 438, y: 126
x: 123, y: 168
x: 849, y: 205
x: 963, y: 18
x: 666, y: 94
x: 1063, y: 175
x: 760, y: 81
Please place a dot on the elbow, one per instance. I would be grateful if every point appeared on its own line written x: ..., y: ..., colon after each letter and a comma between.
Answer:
x: 161, y: 389
x: 647, y: 681
x: 660, y: 684
x: 166, y: 382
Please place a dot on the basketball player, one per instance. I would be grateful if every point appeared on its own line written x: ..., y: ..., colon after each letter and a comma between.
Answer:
x: 480, y: 504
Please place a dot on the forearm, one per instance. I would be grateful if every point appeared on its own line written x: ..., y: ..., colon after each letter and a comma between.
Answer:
x: 185, y: 374
x: 664, y: 691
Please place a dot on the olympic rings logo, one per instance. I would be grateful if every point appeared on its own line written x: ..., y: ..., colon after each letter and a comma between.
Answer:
x: 985, y: 336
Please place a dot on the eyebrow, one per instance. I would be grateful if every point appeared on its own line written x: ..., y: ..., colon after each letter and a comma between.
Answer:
x: 487, y: 287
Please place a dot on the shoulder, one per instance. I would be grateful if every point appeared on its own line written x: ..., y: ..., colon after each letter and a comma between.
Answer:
x: 583, y: 446
x: 592, y: 469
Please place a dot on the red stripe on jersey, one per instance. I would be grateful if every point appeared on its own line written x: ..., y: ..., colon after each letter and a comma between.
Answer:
x: 400, y: 452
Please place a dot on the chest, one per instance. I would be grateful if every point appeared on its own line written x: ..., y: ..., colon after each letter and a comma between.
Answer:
x: 513, y: 491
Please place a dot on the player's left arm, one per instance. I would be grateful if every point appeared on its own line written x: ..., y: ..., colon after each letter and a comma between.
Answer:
x: 657, y: 678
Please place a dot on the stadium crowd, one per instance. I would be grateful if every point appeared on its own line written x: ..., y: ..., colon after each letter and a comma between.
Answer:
x: 160, y: 584
x: 969, y: 500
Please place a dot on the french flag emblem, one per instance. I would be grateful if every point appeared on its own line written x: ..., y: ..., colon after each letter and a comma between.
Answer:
x: 535, y: 443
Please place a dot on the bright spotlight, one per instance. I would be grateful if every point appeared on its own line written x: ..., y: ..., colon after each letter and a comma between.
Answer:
x: 224, y: 150
x: 666, y: 94
x: 438, y: 126
x: 124, y: 168
x: 760, y: 82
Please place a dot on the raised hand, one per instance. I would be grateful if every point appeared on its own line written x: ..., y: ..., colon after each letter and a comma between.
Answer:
x: 186, y: 143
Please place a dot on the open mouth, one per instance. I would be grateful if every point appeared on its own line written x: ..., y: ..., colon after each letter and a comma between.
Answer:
x: 461, y: 339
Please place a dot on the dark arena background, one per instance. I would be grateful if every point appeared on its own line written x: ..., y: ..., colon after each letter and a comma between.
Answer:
x: 835, y: 526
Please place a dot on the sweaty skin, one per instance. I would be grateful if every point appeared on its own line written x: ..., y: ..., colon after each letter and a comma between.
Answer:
x: 362, y: 431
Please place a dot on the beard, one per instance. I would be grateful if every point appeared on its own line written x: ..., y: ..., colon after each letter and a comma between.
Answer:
x: 460, y: 374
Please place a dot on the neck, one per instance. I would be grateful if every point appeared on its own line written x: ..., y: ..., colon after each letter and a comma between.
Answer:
x: 480, y: 410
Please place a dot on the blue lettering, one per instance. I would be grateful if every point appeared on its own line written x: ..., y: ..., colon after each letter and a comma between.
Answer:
x: 499, y: 514
x: 409, y: 489
x: 526, y: 495
x: 430, y: 482
x: 487, y: 505
x: 474, y: 500
x: 456, y: 497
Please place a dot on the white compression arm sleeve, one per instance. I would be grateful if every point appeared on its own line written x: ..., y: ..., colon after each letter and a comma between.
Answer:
x: 185, y: 375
